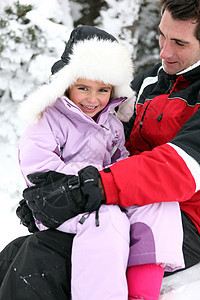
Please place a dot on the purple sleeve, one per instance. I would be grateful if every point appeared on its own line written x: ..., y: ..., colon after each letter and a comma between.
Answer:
x: 39, y: 149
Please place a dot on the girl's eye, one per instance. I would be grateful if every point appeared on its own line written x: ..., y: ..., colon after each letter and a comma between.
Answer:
x: 103, y: 90
x: 82, y: 88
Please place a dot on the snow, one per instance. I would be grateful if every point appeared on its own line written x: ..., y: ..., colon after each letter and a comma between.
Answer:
x: 184, y: 285
x: 25, y: 65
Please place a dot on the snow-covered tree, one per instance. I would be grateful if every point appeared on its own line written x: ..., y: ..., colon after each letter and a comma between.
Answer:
x: 32, y: 38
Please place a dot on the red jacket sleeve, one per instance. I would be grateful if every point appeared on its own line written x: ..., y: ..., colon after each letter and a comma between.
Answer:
x: 160, y: 175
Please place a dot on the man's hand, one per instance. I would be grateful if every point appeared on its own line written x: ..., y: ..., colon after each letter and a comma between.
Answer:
x: 89, y: 179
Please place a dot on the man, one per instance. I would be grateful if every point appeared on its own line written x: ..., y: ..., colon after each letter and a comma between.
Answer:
x: 164, y: 135
x: 167, y: 126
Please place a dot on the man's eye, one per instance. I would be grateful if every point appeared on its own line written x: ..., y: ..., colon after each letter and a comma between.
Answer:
x: 180, y: 44
x: 82, y: 88
x: 160, y: 32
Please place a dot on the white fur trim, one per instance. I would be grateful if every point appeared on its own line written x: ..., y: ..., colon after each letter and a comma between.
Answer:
x: 126, y: 109
x: 100, y: 60
x: 108, y: 61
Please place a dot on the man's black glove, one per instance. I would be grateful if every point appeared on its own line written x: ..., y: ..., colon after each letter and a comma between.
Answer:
x: 57, y: 197
x: 89, y: 182
x: 25, y: 214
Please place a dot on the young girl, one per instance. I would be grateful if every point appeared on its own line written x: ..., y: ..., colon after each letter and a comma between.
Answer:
x: 75, y: 128
x: 72, y: 126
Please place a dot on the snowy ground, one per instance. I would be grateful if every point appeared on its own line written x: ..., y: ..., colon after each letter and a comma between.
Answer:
x: 9, y: 223
x: 10, y: 180
x: 182, y: 286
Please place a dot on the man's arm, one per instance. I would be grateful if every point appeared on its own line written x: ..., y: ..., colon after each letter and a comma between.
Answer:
x: 169, y: 172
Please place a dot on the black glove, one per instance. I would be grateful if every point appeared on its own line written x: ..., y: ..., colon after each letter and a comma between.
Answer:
x: 89, y: 183
x: 55, y: 198
x: 25, y: 214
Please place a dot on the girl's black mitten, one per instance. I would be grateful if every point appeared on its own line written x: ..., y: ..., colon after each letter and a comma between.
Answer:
x: 25, y: 214
x: 54, y: 198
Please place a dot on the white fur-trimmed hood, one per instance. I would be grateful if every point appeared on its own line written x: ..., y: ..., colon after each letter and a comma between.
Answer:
x: 93, y: 59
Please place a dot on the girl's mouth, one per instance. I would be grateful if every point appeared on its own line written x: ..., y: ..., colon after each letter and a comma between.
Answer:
x: 89, y: 108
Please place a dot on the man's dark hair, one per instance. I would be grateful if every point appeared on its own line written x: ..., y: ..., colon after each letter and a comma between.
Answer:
x: 183, y: 10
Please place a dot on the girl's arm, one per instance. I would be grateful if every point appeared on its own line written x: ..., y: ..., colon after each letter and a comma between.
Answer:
x: 39, y: 149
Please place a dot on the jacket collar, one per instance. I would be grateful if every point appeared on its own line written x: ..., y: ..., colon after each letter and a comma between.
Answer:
x: 69, y: 106
x: 191, y: 73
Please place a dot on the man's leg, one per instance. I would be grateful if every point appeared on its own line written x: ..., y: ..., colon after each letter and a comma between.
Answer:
x: 41, y: 269
x: 8, y: 254
x: 191, y: 243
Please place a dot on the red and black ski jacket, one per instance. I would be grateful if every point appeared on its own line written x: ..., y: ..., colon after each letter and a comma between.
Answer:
x: 164, y: 143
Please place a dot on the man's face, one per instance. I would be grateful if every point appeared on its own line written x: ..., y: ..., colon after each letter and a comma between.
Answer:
x: 179, y: 48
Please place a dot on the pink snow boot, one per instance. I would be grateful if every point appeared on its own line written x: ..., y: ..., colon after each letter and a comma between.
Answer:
x: 144, y: 281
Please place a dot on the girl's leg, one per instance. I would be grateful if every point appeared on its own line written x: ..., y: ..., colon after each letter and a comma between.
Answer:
x: 156, y: 239
x: 100, y: 255
x: 156, y: 235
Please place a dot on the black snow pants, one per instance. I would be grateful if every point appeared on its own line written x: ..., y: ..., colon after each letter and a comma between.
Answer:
x: 37, y: 267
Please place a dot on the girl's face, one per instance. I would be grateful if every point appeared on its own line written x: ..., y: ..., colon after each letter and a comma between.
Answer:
x: 90, y: 96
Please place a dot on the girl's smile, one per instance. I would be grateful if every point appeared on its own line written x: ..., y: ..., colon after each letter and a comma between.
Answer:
x: 90, y: 96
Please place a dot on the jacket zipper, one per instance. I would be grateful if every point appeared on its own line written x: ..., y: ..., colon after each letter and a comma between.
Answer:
x: 56, y: 192
x: 87, y: 214
x: 141, y: 124
x: 171, y: 84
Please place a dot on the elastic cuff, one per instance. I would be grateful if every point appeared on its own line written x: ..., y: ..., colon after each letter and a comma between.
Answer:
x: 110, y: 188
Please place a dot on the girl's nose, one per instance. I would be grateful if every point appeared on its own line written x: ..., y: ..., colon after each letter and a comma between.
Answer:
x: 92, y: 98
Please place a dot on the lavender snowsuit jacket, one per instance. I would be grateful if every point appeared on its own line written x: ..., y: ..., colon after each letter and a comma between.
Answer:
x: 65, y: 140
